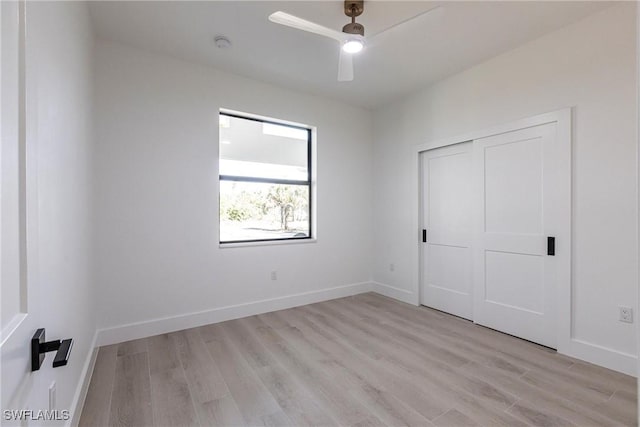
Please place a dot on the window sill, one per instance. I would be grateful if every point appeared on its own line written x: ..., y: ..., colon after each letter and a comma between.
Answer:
x: 267, y: 243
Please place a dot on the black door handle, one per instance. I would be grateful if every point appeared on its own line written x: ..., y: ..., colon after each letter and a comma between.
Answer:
x: 39, y: 346
x: 424, y: 235
x: 551, y: 246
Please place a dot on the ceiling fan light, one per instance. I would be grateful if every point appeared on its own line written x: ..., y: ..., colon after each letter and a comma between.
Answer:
x: 353, y: 46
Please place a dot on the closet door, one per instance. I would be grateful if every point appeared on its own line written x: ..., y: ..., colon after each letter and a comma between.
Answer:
x: 518, y: 197
x: 447, y: 224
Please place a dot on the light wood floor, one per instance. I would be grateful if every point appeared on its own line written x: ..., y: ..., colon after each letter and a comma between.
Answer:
x: 359, y: 361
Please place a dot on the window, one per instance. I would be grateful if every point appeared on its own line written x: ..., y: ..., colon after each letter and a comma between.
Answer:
x: 265, y: 180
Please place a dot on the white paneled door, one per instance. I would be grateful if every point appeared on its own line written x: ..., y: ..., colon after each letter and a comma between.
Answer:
x: 447, y: 222
x: 517, y: 194
x: 496, y: 230
x: 20, y: 301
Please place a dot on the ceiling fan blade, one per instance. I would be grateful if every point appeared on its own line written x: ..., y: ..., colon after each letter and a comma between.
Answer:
x: 419, y: 20
x: 345, y: 67
x: 283, y: 18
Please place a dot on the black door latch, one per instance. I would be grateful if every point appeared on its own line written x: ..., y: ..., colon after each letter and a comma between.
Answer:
x: 39, y: 347
x: 551, y: 246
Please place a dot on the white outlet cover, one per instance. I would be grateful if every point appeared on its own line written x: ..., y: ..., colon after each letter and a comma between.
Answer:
x: 626, y: 314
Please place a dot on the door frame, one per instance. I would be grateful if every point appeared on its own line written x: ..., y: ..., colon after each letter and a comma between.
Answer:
x: 563, y: 120
x: 22, y: 389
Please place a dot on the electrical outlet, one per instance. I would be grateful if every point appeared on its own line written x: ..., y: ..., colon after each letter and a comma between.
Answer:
x: 52, y: 396
x: 392, y: 267
x: 626, y: 314
x: 274, y: 275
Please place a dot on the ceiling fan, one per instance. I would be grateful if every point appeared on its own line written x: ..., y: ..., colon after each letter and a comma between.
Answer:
x: 351, y: 38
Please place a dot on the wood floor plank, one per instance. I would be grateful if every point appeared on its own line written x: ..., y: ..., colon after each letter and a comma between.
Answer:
x: 277, y: 419
x: 342, y: 405
x: 132, y: 347
x: 454, y: 418
x: 220, y: 412
x: 163, y: 355
x: 170, y: 399
x: 210, y: 332
x: 274, y: 321
x: 98, y: 401
x: 202, y: 373
x: 252, y: 397
x: 535, y: 417
x: 131, y: 397
x: 369, y: 422
x: 295, y: 400
x: 244, y: 340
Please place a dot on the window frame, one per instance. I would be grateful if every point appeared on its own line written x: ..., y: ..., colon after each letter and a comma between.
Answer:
x: 308, y: 182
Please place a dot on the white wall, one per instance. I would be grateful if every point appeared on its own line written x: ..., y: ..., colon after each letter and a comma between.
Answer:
x: 61, y: 87
x: 590, y: 65
x: 156, y: 212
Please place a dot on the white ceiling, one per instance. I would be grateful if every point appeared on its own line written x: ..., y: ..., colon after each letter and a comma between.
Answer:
x: 411, y: 58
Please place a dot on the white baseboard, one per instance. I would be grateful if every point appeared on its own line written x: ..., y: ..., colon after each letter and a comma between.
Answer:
x: 83, y: 385
x: 602, y: 356
x: 395, y: 293
x: 164, y: 325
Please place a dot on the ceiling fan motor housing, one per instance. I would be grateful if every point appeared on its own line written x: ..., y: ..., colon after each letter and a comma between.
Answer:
x: 353, y: 28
